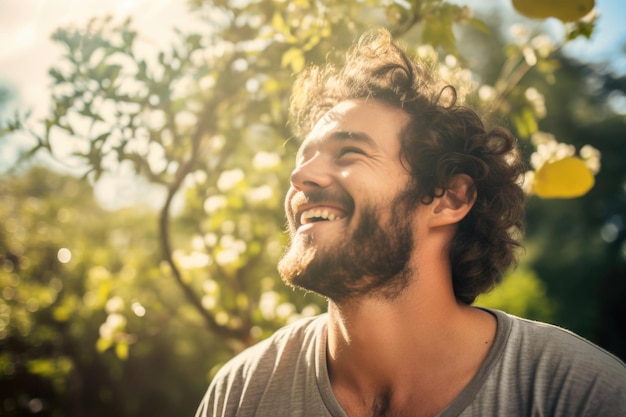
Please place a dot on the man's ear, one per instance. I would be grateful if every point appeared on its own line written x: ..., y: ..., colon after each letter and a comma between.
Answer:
x: 456, y: 201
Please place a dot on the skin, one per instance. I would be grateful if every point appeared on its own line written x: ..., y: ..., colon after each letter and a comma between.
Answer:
x: 413, y: 353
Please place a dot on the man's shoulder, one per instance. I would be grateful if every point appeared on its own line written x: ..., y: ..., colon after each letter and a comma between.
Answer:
x: 536, y: 351
x: 286, y: 342
x: 544, y: 368
x: 254, y: 381
x: 542, y: 338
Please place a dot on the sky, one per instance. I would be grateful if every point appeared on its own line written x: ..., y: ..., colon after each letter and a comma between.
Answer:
x: 26, y: 26
x: 608, y: 43
x: 27, y: 51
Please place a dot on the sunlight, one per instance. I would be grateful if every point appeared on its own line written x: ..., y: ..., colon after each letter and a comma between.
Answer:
x: 64, y: 255
x: 28, y: 52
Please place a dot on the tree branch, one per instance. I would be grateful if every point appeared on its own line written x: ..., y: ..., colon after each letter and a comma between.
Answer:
x: 164, y: 233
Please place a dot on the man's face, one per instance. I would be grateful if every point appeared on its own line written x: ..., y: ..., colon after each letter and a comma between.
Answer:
x: 349, y: 217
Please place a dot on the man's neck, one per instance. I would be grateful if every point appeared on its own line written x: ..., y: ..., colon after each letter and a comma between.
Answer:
x: 387, y: 356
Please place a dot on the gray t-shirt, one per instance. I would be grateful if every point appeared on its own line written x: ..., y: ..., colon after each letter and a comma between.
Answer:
x: 532, y: 369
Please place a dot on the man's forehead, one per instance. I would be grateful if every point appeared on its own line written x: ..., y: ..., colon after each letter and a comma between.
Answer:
x: 361, y: 119
x: 330, y: 120
x: 335, y: 118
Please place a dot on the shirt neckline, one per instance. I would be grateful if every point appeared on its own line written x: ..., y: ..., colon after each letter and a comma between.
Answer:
x: 460, y: 403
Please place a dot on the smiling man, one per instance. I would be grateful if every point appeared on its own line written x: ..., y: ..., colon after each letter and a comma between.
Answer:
x: 348, y: 218
x: 402, y: 209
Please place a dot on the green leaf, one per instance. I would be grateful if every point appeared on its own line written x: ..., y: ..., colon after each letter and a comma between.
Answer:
x: 103, y: 344
x: 438, y: 32
x: 56, y: 74
x: 279, y: 24
x: 121, y: 350
x: 193, y: 41
x: 128, y: 38
x: 525, y: 122
x: 480, y: 25
x: 580, y: 28
x: 101, y: 138
x: 294, y: 58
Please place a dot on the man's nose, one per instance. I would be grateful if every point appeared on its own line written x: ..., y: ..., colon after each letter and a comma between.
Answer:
x: 314, y: 173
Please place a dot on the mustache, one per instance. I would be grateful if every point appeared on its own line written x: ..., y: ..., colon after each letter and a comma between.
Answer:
x: 335, y: 197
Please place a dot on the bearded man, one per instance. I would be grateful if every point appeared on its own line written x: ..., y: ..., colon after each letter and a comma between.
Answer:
x: 402, y: 209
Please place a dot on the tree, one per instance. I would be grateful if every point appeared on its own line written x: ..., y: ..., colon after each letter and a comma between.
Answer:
x: 213, y: 103
x: 74, y: 275
x: 579, y: 244
x: 193, y: 120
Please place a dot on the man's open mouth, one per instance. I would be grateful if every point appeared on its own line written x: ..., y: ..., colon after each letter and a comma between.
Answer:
x: 316, y: 207
x: 318, y: 215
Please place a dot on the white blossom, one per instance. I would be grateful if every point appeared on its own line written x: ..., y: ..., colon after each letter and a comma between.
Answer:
x: 229, y: 179
x: 215, y: 203
x: 265, y: 160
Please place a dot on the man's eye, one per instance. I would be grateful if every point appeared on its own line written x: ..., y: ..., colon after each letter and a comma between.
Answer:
x: 351, y: 150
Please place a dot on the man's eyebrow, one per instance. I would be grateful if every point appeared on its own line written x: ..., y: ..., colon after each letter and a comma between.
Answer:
x: 350, y: 135
x: 339, y: 136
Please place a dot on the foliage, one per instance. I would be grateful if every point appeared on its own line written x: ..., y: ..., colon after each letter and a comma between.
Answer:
x: 521, y: 293
x: 69, y: 271
x: 192, y: 120
x: 145, y: 306
x: 579, y: 246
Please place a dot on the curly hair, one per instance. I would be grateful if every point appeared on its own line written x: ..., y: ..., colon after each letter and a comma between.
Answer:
x: 442, y: 139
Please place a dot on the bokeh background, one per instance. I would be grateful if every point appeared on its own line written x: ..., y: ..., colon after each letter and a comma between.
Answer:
x: 145, y: 150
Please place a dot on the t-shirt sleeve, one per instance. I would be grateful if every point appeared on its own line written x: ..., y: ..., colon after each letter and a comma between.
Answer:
x: 596, y: 383
x: 238, y: 385
x: 219, y: 400
x: 275, y: 378
x: 579, y: 377
x: 543, y: 370
x: 552, y: 371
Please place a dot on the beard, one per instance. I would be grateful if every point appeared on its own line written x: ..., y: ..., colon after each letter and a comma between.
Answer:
x: 371, y: 261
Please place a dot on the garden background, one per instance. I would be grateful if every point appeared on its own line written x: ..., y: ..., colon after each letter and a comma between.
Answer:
x: 142, y: 182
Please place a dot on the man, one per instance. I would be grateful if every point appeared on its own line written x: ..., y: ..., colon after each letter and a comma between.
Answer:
x: 402, y: 209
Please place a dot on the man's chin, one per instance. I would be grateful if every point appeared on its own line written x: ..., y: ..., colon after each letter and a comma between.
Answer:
x: 294, y: 262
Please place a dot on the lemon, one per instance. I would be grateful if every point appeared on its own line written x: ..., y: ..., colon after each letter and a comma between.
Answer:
x: 566, y: 178
x: 566, y: 10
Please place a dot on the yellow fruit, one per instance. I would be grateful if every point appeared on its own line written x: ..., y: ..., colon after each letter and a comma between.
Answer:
x: 565, y: 178
x: 566, y: 10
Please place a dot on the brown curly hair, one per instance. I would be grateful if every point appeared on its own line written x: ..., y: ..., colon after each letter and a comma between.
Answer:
x: 442, y: 139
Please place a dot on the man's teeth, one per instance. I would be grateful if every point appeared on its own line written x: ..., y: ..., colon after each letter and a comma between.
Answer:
x: 317, y: 214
